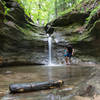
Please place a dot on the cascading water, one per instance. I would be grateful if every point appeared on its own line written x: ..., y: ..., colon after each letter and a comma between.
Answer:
x: 49, y: 57
x: 50, y: 50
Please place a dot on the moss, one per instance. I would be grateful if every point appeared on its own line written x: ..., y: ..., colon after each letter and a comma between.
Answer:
x: 73, y: 33
x: 78, y: 37
x: 82, y: 6
x: 72, y: 8
x: 69, y: 19
x: 89, y: 35
x: 95, y: 30
x: 93, y: 13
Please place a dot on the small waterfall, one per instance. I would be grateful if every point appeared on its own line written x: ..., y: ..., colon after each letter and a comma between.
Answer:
x: 50, y: 50
x: 49, y: 57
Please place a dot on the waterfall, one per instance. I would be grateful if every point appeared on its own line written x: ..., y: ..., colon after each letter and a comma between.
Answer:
x: 50, y: 50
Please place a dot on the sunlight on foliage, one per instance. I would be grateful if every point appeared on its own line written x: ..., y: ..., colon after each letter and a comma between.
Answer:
x: 94, y: 11
x: 43, y: 11
x: 39, y: 11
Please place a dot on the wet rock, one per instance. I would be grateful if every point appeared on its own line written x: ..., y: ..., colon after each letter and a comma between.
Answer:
x: 67, y: 89
x: 1, y: 60
x: 95, y: 30
x: 2, y: 94
x: 81, y: 98
x: 86, y: 98
x: 49, y: 29
x: 89, y: 91
x: 17, y: 47
x: 70, y: 18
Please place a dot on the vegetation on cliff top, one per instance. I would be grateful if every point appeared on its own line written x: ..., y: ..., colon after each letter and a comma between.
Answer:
x: 43, y: 11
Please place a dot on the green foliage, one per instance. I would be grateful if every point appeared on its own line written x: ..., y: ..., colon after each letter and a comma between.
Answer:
x: 38, y: 10
x: 70, y: 6
x: 5, y: 8
x: 43, y: 11
x: 94, y: 11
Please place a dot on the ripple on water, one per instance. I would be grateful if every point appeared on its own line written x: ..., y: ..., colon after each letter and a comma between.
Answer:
x: 72, y: 76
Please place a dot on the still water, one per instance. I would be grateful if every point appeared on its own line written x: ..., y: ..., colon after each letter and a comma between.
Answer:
x: 72, y: 75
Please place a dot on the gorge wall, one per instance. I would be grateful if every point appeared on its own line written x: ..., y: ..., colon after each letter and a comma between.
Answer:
x: 81, y: 28
x: 23, y: 42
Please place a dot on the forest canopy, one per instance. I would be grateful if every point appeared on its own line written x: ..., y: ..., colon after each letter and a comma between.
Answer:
x: 43, y: 11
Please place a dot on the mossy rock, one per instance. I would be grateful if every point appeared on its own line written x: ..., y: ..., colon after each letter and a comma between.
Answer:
x: 95, y: 30
x: 70, y: 18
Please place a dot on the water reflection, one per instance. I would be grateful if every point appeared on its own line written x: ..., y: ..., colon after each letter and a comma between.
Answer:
x: 71, y: 75
x: 50, y: 73
x: 49, y: 47
x: 53, y: 97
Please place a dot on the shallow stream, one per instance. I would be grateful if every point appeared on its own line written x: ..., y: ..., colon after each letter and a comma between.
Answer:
x: 72, y: 75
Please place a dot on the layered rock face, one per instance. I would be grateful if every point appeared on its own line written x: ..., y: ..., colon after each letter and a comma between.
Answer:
x: 73, y: 28
x: 20, y: 40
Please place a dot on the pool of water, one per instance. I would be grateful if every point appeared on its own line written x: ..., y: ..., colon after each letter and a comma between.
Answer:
x: 72, y: 75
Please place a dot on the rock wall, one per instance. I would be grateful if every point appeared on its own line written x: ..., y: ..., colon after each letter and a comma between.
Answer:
x: 21, y: 41
x: 73, y: 28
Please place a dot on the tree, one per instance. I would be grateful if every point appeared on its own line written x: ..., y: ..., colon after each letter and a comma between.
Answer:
x: 56, y: 11
x: 42, y: 11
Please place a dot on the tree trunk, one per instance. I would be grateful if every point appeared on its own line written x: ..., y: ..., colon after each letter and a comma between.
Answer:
x: 64, y: 5
x: 56, y: 12
x: 39, y: 8
x: 28, y: 87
